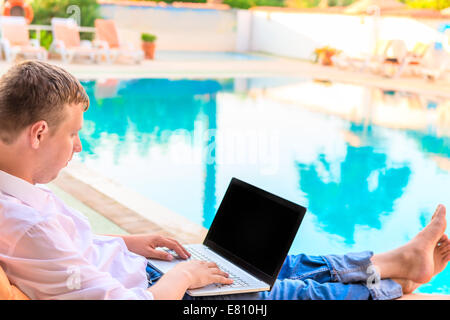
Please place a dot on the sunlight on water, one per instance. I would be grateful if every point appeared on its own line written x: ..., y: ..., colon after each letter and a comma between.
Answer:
x: 370, y: 165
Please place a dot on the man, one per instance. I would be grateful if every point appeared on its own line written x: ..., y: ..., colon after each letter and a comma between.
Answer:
x: 48, y: 250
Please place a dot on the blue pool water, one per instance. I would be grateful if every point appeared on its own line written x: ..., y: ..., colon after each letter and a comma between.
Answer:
x: 370, y: 165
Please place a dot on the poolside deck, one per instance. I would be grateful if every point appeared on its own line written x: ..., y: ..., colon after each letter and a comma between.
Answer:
x: 176, y: 67
x: 126, y: 209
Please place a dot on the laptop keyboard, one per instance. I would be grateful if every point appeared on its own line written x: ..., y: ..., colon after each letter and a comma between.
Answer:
x: 196, y: 255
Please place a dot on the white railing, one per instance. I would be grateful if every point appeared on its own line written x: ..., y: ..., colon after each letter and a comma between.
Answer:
x: 38, y: 28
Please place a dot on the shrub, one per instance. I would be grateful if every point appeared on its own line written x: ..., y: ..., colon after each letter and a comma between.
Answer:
x: 427, y: 4
x: 246, y: 4
x: 315, y: 3
x: 147, y: 37
x: 196, y: 1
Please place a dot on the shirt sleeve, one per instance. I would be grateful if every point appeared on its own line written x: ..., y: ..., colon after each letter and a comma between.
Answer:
x: 49, y: 266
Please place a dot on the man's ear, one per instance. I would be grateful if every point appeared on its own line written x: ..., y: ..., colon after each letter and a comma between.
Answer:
x: 37, y: 133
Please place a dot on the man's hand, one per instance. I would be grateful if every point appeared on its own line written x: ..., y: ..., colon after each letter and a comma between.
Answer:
x: 187, y: 275
x: 201, y: 273
x: 145, y: 245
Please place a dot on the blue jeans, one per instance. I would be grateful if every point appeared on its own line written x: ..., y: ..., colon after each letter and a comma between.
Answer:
x: 330, y: 277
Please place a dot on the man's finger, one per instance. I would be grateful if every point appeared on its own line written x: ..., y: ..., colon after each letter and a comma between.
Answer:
x: 162, y: 255
x: 223, y: 280
x: 180, y: 246
x: 220, y: 272
x: 211, y: 264
x: 174, y: 245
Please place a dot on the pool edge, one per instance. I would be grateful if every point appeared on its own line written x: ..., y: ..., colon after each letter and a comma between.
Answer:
x: 124, y: 207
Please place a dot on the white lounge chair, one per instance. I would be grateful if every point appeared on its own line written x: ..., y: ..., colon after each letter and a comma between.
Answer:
x: 67, y: 44
x: 371, y: 61
x: 15, y: 40
x: 107, y: 37
x: 434, y: 63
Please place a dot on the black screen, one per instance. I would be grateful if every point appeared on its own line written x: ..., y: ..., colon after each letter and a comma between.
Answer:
x: 255, y: 226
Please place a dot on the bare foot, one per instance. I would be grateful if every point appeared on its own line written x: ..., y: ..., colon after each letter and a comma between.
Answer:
x: 420, y: 262
x: 408, y: 286
x: 415, y: 260
x: 441, y: 257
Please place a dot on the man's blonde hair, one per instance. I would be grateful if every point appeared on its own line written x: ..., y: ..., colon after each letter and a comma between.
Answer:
x: 32, y: 91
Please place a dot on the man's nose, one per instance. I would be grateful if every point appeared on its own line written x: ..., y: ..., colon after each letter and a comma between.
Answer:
x: 78, y: 146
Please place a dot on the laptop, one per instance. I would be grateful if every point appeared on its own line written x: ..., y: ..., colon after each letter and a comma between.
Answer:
x: 249, y: 238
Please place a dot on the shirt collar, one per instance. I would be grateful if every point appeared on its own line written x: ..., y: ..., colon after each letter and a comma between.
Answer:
x: 23, y: 190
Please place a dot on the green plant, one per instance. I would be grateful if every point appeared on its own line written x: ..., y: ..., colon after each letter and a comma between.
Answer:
x: 427, y: 4
x: 246, y: 4
x: 240, y: 4
x: 147, y: 37
x: 324, y: 54
x: 170, y: 1
x: 45, y: 10
x: 315, y: 3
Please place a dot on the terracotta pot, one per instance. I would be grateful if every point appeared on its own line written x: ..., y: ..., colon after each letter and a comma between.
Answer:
x: 149, y: 49
x: 325, y: 58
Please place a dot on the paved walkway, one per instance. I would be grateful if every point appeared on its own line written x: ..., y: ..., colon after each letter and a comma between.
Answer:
x: 233, y: 68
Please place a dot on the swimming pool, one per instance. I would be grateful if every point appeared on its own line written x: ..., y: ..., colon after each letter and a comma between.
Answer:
x: 370, y: 165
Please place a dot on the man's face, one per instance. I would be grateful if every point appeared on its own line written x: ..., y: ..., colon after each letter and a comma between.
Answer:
x: 58, y: 149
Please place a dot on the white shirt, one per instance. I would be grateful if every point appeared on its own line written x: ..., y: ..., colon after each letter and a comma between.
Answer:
x: 48, y: 250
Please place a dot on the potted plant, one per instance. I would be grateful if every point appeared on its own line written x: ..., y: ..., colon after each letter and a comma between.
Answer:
x: 148, y: 45
x: 324, y: 54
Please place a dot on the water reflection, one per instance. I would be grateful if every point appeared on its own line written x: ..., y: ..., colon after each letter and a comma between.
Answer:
x: 147, y: 109
x: 361, y: 193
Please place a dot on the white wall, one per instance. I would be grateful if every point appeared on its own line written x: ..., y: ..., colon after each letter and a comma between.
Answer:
x: 280, y: 33
x: 298, y: 34
x: 176, y: 28
x: 244, y: 30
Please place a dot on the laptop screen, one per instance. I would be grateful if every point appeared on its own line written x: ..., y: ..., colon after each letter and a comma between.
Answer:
x: 254, y: 229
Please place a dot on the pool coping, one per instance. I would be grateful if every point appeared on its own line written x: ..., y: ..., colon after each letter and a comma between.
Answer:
x: 276, y: 66
x: 124, y: 207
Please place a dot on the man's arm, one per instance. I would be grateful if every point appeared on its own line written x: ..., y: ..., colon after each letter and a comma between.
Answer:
x: 51, y: 267
x: 171, y: 286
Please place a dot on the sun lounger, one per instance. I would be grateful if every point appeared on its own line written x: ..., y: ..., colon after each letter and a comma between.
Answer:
x: 434, y: 63
x: 413, y: 59
x: 15, y: 40
x: 372, y: 61
x: 391, y: 58
x: 394, y: 57
x: 67, y: 44
x: 424, y: 60
x: 107, y: 37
